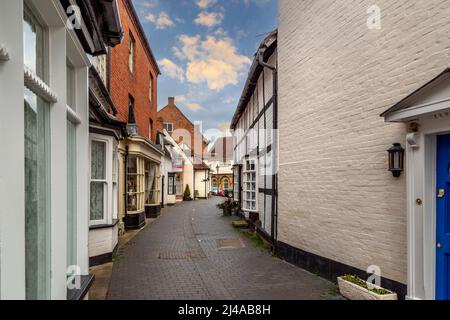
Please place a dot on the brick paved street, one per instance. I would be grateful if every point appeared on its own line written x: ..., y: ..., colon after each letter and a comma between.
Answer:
x: 177, y: 257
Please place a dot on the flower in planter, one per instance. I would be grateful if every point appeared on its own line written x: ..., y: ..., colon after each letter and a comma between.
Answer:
x: 355, y: 288
x: 227, y: 207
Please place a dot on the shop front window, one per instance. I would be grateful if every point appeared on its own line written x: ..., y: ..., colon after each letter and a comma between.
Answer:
x: 151, y: 183
x: 135, y: 184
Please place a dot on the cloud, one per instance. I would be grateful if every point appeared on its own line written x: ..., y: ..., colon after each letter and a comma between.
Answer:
x: 213, y: 60
x: 194, y: 106
x: 170, y: 69
x: 162, y: 21
x: 149, y: 3
x: 209, y: 19
x: 225, y: 127
x: 203, y: 4
x: 180, y: 99
x: 229, y: 100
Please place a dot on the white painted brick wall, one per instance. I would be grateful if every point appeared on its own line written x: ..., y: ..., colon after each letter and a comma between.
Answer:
x: 336, y: 197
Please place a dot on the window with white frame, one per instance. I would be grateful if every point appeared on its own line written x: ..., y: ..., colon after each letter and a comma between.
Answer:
x: 99, y: 182
x: 103, y: 180
x: 135, y: 184
x: 236, y: 183
x: 249, y: 183
x: 168, y: 126
x: 152, y: 189
x: 72, y: 122
x: 37, y: 162
x: 171, y: 184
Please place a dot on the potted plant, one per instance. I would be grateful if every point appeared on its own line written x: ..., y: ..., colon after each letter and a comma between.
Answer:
x: 354, y: 288
x: 227, y: 207
x: 187, y: 194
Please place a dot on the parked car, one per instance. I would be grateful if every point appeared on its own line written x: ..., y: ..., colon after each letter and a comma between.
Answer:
x: 215, y: 191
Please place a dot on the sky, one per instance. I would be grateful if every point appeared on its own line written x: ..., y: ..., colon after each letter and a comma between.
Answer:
x: 204, y: 49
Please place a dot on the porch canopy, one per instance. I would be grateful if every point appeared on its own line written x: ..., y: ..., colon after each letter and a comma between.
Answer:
x: 432, y: 98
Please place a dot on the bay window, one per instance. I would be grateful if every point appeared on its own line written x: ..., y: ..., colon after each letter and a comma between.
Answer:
x: 37, y: 164
x: 104, y: 180
x: 152, y: 189
x: 135, y: 184
x: 99, y: 181
x: 249, y: 184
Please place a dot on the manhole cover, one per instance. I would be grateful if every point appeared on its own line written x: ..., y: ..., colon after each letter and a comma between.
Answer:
x: 224, y: 244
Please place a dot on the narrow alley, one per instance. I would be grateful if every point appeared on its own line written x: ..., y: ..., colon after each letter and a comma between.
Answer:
x: 193, y: 252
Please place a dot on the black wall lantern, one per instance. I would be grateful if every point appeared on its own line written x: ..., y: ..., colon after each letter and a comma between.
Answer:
x: 396, y: 159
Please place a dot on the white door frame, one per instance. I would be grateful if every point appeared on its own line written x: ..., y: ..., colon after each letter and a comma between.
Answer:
x: 421, y: 219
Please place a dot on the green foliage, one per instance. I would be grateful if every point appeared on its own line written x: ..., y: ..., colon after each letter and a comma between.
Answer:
x: 334, y: 292
x: 257, y: 240
x: 187, y: 193
x: 360, y: 282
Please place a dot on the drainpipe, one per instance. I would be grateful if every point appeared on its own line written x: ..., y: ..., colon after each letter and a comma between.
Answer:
x: 274, y: 218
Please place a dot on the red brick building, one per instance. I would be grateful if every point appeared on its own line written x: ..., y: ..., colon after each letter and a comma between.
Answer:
x: 133, y: 73
x: 181, y: 128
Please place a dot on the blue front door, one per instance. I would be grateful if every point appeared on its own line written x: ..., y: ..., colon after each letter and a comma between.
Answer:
x: 443, y: 219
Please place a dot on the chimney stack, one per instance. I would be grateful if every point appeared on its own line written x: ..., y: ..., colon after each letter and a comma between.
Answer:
x: 171, y: 101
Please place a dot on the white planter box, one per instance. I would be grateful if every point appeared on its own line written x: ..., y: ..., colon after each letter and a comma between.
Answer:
x: 352, y: 291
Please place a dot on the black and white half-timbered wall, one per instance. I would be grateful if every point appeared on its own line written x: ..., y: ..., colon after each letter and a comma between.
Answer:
x: 254, y: 141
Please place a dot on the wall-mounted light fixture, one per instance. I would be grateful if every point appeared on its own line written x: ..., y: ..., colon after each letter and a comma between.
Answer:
x: 396, y: 159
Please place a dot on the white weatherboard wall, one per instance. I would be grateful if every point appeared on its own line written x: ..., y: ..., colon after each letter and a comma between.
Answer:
x: 62, y: 44
x: 336, y: 197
